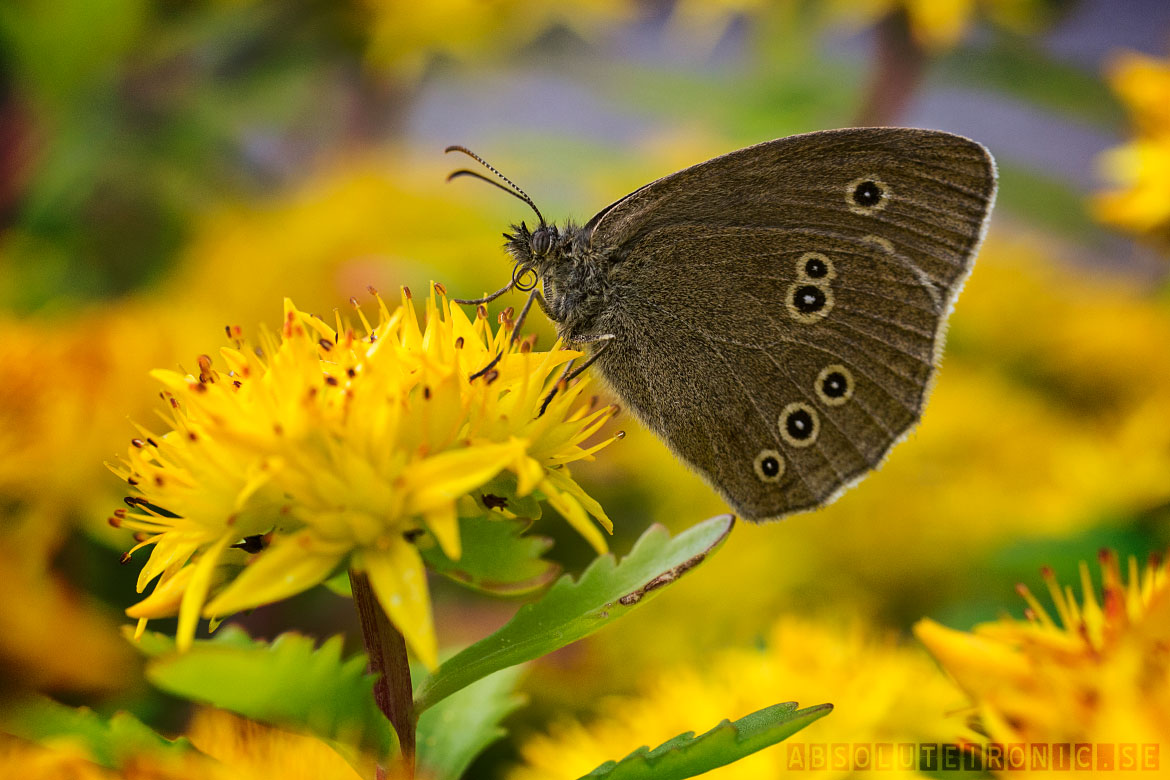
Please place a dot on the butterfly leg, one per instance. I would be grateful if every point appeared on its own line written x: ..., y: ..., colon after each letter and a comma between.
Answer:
x: 569, y: 374
x: 532, y: 296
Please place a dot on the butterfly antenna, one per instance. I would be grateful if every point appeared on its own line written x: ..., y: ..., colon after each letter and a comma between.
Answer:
x: 519, y: 193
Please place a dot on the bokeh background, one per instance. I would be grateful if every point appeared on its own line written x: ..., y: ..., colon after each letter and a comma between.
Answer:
x: 170, y: 168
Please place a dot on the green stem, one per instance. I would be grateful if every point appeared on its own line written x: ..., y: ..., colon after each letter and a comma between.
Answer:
x: 387, y: 650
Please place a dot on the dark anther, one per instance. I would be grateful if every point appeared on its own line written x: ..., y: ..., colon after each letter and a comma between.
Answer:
x: 331, y: 380
x: 459, y: 343
x: 799, y: 425
x: 325, y: 344
x: 491, y: 376
x: 412, y: 534
x: 427, y: 393
x: 139, y: 443
x: 405, y: 291
x: 494, y: 502
x: 125, y: 559
x: 251, y: 544
x: 867, y: 194
x: 440, y: 289
x: 808, y: 299
x: 351, y: 372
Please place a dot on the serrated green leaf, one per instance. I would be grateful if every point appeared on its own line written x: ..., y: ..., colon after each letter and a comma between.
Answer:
x: 110, y: 742
x: 288, y: 683
x: 687, y: 755
x: 572, y: 609
x: 452, y: 733
x: 496, y: 558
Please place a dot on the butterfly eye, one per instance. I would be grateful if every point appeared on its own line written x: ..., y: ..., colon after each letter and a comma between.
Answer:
x: 866, y: 195
x: 541, y: 241
x: 834, y: 385
x: 769, y: 466
x: 799, y: 424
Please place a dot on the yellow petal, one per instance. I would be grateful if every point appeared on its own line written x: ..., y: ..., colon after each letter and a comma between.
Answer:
x: 196, y: 592
x: 448, y: 475
x: 398, y: 580
x: 164, y: 600
x: 444, y: 524
x: 575, y: 515
x: 290, y: 566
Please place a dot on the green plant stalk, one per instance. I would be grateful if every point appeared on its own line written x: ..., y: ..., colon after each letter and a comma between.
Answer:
x: 393, y: 692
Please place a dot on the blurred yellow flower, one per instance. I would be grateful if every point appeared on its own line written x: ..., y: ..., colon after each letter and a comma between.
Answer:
x: 935, y: 24
x: 882, y: 691
x: 1097, y: 672
x: 247, y: 750
x: 330, y: 445
x: 228, y: 747
x: 404, y: 37
x: 1140, y: 169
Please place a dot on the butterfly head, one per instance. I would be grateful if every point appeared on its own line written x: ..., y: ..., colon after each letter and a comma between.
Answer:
x: 534, y: 252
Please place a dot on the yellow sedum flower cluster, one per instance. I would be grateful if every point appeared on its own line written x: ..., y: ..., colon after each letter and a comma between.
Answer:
x: 882, y: 690
x: 327, y: 446
x: 1140, y: 169
x: 1099, y: 672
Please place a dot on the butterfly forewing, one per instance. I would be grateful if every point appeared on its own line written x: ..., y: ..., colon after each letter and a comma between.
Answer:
x: 779, y: 310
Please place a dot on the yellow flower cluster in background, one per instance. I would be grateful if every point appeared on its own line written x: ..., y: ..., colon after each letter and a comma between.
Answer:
x: 404, y: 37
x: 1140, y: 169
x: 882, y: 690
x: 1098, y: 671
x: 936, y: 25
x: 339, y: 446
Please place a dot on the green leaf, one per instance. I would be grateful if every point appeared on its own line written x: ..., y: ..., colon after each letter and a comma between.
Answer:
x: 110, y: 742
x: 452, y: 733
x: 288, y: 683
x: 687, y: 755
x: 496, y: 558
x: 572, y: 609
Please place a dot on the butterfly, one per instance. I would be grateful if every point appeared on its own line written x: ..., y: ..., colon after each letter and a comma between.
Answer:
x: 776, y: 314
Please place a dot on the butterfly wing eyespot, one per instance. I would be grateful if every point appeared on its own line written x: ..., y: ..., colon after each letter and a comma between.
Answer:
x: 834, y: 385
x: 809, y: 301
x: 815, y: 266
x: 867, y: 195
x: 799, y: 424
x: 769, y: 466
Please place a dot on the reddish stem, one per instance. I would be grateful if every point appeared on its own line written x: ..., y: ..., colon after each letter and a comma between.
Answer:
x: 393, y: 692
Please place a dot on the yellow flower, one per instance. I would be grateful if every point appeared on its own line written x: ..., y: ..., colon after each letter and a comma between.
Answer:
x: 1140, y: 169
x: 405, y: 36
x: 246, y: 749
x: 882, y: 691
x: 227, y: 747
x: 1098, y: 671
x: 935, y: 24
x: 328, y: 446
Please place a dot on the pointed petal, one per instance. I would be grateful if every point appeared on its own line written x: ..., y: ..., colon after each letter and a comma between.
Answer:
x: 397, y: 577
x: 444, y: 524
x: 196, y: 592
x: 290, y: 566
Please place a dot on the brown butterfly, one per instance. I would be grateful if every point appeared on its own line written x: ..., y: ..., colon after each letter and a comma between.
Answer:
x: 775, y: 314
